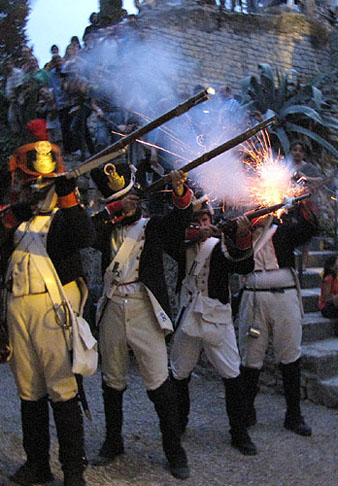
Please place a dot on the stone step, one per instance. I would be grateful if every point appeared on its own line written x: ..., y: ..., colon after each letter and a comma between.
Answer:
x: 324, y: 392
x: 320, y: 243
x: 310, y: 278
x: 317, y: 258
x: 316, y: 327
x: 320, y: 358
x: 310, y: 299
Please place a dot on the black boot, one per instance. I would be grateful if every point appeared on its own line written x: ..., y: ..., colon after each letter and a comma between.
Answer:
x: 164, y: 401
x: 235, y: 407
x: 183, y: 401
x: 113, y: 444
x: 35, y: 429
x: 250, y: 377
x: 291, y: 382
x: 69, y: 429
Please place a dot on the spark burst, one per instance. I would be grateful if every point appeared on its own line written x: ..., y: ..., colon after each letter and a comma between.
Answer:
x: 270, y: 177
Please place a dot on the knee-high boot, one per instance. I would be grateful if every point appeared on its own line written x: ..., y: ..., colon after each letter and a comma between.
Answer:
x: 291, y: 382
x: 113, y: 443
x: 183, y: 401
x: 35, y: 429
x: 250, y: 377
x: 69, y: 429
x: 164, y: 401
x: 235, y: 407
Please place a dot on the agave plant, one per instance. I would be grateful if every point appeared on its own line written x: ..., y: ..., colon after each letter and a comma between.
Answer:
x: 298, y: 107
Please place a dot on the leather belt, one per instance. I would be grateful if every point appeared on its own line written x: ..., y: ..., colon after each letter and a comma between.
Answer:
x: 277, y: 290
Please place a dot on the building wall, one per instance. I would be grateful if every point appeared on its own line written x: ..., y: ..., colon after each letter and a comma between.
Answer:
x: 217, y: 48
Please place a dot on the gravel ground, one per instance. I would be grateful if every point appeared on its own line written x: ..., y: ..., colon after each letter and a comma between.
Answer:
x: 284, y: 458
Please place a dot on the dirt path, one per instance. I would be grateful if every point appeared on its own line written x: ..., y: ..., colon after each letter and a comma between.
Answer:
x: 284, y: 458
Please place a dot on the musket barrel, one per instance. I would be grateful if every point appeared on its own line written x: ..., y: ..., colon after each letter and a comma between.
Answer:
x: 242, y: 137
x: 101, y: 157
x: 230, y: 224
x: 271, y: 209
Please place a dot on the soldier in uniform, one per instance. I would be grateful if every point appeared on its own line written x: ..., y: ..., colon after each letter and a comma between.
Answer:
x: 134, y: 311
x: 205, y: 320
x: 41, y: 235
x: 271, y: 303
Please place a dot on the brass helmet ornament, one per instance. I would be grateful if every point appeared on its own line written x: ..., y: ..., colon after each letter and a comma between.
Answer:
x: 114, y: 181
x: 44, y: 163
x: 34, y: 160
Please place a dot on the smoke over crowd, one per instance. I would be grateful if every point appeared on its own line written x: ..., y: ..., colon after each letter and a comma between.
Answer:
x: 141, y: 76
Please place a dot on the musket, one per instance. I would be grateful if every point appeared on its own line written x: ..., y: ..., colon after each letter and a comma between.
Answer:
x: 272, y: 209
x: 242, y: 137
x: 118, y: 148
x: 231, y: 223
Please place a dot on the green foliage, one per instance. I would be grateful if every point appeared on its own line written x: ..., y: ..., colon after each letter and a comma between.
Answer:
x: 327, y: 227
x: 8, y: 143
x: 298, y: 107
x: 110, y: 12
x: 13, y: 18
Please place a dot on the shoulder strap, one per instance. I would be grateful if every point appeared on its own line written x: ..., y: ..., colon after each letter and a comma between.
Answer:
x: 36, y: 225
x: 47, y: 271
x: 203, y: 254
x: 265, y: 238
x: 112, y: 272
x: 128, y: 244
x: 28, y: 228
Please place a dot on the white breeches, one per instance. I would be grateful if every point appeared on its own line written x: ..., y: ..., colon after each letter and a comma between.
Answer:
x: 186, y: 351
x: 41, y: 361
x: 273, y: 313
x: 129, y: 322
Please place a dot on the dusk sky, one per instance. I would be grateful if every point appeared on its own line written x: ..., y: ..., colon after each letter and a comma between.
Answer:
x: 56, y: 21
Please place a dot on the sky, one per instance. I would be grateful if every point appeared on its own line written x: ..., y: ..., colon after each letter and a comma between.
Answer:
x: 56, y: 21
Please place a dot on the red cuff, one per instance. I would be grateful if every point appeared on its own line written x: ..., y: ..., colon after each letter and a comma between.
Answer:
x: 182, y: 202
x: 68, y: 201
x: 244, y: 240
x: 9, y: 220
x: 114, y: 207
x: 192, y: 233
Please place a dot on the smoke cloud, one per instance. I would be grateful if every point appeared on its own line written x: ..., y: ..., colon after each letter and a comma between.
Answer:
x: 140, y: 75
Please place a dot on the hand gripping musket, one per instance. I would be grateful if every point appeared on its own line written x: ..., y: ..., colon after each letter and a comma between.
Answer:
x: 242, y: 137
x: 228, y: 225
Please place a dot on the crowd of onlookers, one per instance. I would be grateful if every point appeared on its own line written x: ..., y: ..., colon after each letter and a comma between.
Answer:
x: 54, y: 102
x: 92, y: 76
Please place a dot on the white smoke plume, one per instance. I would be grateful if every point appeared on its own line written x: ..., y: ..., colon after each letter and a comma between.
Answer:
x: 140, y: 75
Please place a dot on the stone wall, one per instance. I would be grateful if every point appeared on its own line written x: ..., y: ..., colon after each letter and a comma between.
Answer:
x: 216, y: 47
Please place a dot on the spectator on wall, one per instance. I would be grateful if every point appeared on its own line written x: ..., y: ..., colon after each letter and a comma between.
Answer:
x: 14, y: 79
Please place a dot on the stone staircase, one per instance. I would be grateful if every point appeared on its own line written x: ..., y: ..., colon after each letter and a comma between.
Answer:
x: 320, y: 337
